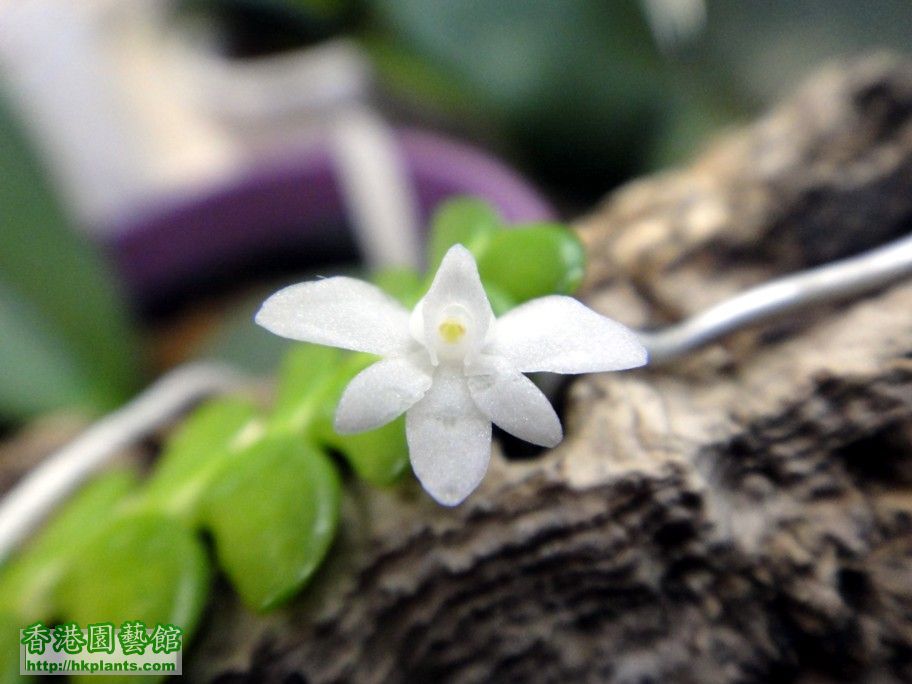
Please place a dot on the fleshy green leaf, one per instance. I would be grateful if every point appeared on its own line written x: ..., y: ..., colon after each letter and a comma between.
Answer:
x: 273, y: 515
x: 28, y: 580
x: 469, y: 222
x: 65, y: 286
x: 310, y: 384
x: 143, y: 567
x: 198, y: 450
x: 501, y: 301
x: 534, y: 261
x: 378, y: 456
x: 402, y: 283
x: 9, y: 648
x: 303, y: 378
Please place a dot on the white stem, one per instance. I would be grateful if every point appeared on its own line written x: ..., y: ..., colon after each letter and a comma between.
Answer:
x: 39, y: 492
x: 377, y: 190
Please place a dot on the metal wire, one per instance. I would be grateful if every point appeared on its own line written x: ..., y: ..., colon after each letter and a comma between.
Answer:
x: 833, y: 282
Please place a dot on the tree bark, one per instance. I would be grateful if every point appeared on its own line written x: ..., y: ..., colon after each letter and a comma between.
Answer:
x: 742, y: 515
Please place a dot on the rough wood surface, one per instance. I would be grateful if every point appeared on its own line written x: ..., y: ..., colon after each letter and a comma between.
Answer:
x: 744, y: 515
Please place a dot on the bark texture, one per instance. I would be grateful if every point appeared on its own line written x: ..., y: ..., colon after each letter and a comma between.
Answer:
x: 743, y: 515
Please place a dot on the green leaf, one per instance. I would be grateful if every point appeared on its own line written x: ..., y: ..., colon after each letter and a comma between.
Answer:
x: 303, y: 378
x: 515, y: 264
x: 378, y: 456
x: 402, y: 283
x: 237, y: 340
x: 469, y: 222
x: 28, y: 580
x: 534, y: 261
x: 501, y: 300
x: 311, y: 383
x: 200, y: 448
x: 67, y: 289
x: 574, y: 86
x: 273, y: 515
x: 144, y: 567
x: 9, y: 648
x: 411, y: 77
x: 38, y: 370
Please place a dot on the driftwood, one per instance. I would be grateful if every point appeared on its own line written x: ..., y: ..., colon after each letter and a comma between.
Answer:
x: 743, y: 515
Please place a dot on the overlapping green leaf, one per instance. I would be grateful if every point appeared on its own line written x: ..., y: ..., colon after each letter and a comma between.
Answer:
x: 27, y: 584
x: 197, y: 452
x: 402, y: 283
x: 303, y: 381
x: 533, y: 261
x: 378, y: 456
x: 145, y: 567
x: 273, y: 515
x: 10, y: 625
x: 469, y: 222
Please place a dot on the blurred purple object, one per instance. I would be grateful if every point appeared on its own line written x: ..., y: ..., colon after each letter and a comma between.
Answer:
x: 294, y: 203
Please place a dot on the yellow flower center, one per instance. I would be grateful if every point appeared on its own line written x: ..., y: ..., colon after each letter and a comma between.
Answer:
x: 451, y: 330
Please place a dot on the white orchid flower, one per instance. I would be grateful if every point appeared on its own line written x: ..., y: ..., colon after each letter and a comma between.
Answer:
x: 450, y: 366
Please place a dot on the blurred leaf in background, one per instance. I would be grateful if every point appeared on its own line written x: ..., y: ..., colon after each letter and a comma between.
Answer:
x: 759, y: 51
x: 66, y: 339
x: 578, y: 86
x: 575, y: 91
x: 578, y: 91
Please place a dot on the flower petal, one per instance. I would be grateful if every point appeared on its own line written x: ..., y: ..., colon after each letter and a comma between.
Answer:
x: 516, y: 405
x: 456, y: 282
x: 561, y: 335
x: 380, y: 393
x: 449, y: 439
x: 338, y: 312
